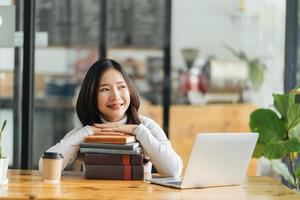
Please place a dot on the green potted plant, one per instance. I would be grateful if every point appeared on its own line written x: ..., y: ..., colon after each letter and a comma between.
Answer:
x: 3, y: 160
x: 256, y: 68
x: 279, y: 136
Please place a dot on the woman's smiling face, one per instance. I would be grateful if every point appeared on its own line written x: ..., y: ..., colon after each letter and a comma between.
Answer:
x: 113, y: 95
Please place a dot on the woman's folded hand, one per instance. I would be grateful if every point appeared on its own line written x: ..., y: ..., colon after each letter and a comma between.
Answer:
x: 113, y: 129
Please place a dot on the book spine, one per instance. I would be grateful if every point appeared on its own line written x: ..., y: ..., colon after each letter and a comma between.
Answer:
x: 106, y: 140
x: 112, y: 159
x: 114, y: 172
x: 129, y: 146
x: 110, y: 139
x: 110, y: 151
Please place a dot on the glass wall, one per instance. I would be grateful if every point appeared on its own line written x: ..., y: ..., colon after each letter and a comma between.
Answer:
x: 220, y: 54
x: 227, y: 60
x: 7, y: 60
x: 69, y: 34
x: 225, y: 53
x: 66, y: 46
x: 135, y: 38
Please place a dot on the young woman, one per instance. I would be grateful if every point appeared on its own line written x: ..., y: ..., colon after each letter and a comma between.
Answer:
x: 108, y: 101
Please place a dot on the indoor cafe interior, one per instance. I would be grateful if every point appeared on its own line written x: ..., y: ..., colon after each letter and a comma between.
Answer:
x: 199, y: 67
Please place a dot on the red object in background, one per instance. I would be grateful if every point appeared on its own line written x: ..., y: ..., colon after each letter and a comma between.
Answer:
x: 189, y: 82
x: 192, y: 82
x: 203, y: 83
x: 184, y: 83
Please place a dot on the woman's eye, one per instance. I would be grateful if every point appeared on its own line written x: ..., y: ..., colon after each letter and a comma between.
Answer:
x: 122, y: 86
x: 103, y: 89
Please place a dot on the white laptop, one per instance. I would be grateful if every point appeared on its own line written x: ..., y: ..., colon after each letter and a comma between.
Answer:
x: 217, y: 159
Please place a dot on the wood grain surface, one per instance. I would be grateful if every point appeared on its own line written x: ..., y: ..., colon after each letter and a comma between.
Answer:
x: 25, y: 184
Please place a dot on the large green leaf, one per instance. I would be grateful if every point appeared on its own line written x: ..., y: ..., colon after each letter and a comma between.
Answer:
x: 283, y: 170
x: 281, y: 103
x: 295, y: 132
x: 292, y: 145
x: 281, y: 148
x: 274, y: 151
x: 293, y: 115
x: 268, y: 125
x: 259, y: 150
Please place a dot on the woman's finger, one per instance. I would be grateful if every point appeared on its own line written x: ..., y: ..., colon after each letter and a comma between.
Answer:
x: 109, y: 129
x: 96, y: 130
x: 93, y: 128
x: 115, y: 128
x: 109, y: 133
x: 103, y: 125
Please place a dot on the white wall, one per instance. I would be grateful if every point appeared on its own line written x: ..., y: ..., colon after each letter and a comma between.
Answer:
x: 255, y: 26
x: 7, y: 59
x: 51, y: 60
x: 6, y: 2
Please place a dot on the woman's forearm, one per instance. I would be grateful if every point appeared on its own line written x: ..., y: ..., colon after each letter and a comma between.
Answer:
x: 69, y: 145
x: 161, y: 153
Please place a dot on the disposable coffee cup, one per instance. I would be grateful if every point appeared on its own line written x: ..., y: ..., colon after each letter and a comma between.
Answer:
x: 52, y: 164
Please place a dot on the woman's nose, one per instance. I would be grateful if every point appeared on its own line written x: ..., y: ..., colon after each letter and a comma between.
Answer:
x: 115, y: 94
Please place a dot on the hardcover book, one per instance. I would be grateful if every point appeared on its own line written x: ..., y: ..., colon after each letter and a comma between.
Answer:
x: 111, y: 151
x: 115, y: 172
x: 112, y: 159
x: 113, y: 139
x: 128, y: 146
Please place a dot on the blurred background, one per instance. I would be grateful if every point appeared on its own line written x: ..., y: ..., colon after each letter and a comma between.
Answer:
x: 200, y: 66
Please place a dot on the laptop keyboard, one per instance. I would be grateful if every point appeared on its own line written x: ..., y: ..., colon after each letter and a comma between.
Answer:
x: 174, y: 182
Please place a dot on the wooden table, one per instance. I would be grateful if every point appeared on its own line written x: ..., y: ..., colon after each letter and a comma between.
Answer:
x: 26, y: 184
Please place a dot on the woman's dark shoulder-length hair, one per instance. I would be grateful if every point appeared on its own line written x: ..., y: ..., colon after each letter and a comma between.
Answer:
x: 86, y: 106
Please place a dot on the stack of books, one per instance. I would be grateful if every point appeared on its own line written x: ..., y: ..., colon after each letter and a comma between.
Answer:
x: 112, y: 157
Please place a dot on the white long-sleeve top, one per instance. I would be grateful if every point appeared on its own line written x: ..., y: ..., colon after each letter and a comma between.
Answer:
x: 154, y: 142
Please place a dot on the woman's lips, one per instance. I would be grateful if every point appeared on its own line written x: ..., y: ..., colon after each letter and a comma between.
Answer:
x: 115, y: 106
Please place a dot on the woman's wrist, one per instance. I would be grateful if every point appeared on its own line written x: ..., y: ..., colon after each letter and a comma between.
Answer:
x: 134, y: 129
x: 90, y: 130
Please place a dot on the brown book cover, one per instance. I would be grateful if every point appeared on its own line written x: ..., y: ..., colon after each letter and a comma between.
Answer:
x: 112, y: 159
x: 112, y: 139
x: 115, y: 172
